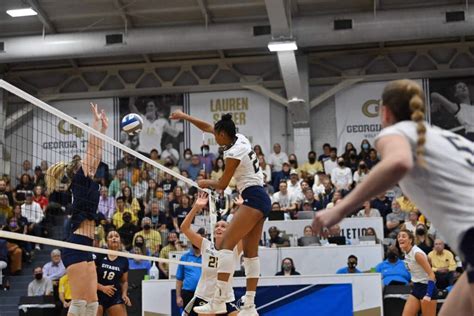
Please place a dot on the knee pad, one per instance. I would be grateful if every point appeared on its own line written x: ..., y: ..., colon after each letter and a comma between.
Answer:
x: 252, y: 267
x: 226, y: 261
x: 78, y: 307
x: 91, y: 308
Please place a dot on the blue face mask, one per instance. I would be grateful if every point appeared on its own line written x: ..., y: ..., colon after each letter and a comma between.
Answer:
x: 365, y: 146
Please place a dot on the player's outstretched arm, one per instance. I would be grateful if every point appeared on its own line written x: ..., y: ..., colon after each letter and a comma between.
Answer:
x: 202, y: 125
x: 221, y: 184
x: 185, y: 227
x: 396, y: 161
x: 95, y: 145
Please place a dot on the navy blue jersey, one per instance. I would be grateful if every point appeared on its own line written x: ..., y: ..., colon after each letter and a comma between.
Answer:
x: 110, y: 272
x: 85, y: 195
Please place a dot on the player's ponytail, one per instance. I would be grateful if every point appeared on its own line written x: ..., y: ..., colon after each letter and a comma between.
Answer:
x: 226, y: 125
x: 54, y: 175
x: 405, y: 99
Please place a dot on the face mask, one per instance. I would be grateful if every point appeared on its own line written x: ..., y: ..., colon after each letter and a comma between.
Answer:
x: 146, y: 226
x: 352, y: 265
x: 362, y: 167
x: 13, y: 224
x: 341, y: 163
x: 159, y: 195
x: 205, y: 152
x: 365, y: 146
x: 391, y: 256
x: 420, y: 231
x: 287, y: 267
x: 38, y: 276
x: 352, y: 156
x: 139, y: 244
x: 312, y: 159
x: 127, y: 219
x: 187, y: 156
x: 292, y: 161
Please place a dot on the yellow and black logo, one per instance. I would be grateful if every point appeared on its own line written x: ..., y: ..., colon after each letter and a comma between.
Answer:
x: 371, y: 108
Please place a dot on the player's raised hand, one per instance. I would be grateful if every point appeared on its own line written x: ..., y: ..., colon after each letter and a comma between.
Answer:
x: 202, y: 199
x: 177, y: 115
x: 105, y: 121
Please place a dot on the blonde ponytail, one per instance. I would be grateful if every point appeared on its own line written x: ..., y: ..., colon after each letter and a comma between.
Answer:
x: 417, y: 108
x: 54, y: 175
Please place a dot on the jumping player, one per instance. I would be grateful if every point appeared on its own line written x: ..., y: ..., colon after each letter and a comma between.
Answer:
x: 247, y: 224
x: 424, y: 289
x: 435, y: 169
x: 112, y: 284
x: 207, y: 283
x: 85, y: 192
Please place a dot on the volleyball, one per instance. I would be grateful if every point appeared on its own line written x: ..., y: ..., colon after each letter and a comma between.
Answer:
x: 131, y: 124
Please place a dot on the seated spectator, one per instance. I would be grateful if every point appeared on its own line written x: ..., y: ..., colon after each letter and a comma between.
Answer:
x: 277, y: 158
x: 194, y: 168
x: 383, y: 204
x: 6, y: 211
x: 367, y: 211
x: 185, y: 161
x: 54, y: 269
x: 360, y: 173
x: 34, y: 215
x: 327, y: 196
x: 276, y: 241
x: 206, y: 159
x: 127, y: 229
x: 182, y: 210
x: 333, y: 231
x: 141, y: 187
x: 266, y: 170
x: 395, y: 220
x: 130, y: 201
x: 284, y: 198
x: 287, y: 268
x: 38, y: 177
x: 25, y: 186
x: 371, y: 232
x: 38, y: 197
x: 393, y: 270
x: 310, y: 201
x: 281, y: 176
x: 364, y: 149
x: 60, y: 199
x: 326, y: 153
x: 138, y: 264
x: 352, y: 162
x: 422, y: 239
x: 3, y: 264
x: 174, y: 244
x: 293, y: 184
x: 351, y: 266
x: 457, y: 274
x: 114, y: 186
x: 106, y: 204
x: 168, y: 184
x: 218, y: 169
x: 41, y: 285
x: 184, y: 185
x: 331, y: 163
x: 312, y: 166
x: 170, y: 153
x: 4, y: 190
x: 64, y: 292
x: 372, y: 159
x: 293, y: 161
x: 341, y: 176
x: 151, y: 237
x: 118, y: 218
x: 443, y: 264
x: 406, y: 205
x: 336, y: 197
x: 307, y: 232
x: 157, y: 217
x: 318, y: 187
x: 139, y: 242
x: 412, y: 222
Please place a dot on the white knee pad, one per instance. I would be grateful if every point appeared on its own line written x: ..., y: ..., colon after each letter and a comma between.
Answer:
x: 91, y: 308
x: 78, y: 307
x: 252, y: 267
x: 226, y: 261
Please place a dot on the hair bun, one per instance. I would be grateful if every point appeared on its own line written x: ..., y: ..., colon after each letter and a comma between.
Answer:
x: 226, y: 117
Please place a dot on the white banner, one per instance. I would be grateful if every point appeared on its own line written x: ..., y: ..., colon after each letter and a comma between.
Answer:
x: 250, y: 112
x: 56, y: 139
x: 357, y: 114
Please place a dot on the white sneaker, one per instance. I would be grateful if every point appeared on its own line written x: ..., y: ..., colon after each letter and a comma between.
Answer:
x: 248, y: 310
x: 213, y: 307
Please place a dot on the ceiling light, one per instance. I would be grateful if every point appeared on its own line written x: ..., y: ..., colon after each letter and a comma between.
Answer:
x: 21, y: 12
x: 282, y: 46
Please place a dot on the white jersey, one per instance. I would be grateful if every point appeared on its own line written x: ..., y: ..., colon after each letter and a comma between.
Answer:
x: 444, y: 190
x: 207, y: 282
x: 418, y: 274
x: 248, y: 172
x: 151, y: 134
x: 465, y: 116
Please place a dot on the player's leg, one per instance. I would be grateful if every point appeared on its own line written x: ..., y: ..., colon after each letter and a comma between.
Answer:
x: 459, y: 299
x: 428, y: 308
x: 92, y: 300
x: 117, y: 310
x: 100, y: 310
x: 412, y: 306
x: 78, y: 277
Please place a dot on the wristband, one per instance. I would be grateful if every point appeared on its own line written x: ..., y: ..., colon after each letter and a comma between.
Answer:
x: 430, y: 289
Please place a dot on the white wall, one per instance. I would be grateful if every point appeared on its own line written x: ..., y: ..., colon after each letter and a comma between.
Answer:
x: 323, y: 121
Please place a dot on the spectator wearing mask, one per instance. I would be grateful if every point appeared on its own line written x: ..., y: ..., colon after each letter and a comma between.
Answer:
x: 277, y: 158
x: 341, y: 176
x: 395, y: 220
x: 206, y: 159
x: 393, y: 270
x: 25, y: 186
x: 40, y: 286
x: 118, y: 218
x: 282, y: 175
x: 187, y: 277
x: 293, y: 161
x: 127, y: 230
x: 372, y: 159
x: 194, y: 167
x: 38, y: 177
x: 367, y: 211
x: 351, y: 266
x: 360, y: 173
x: 422, y: 239
x: 364, y: 149
x: 326, y: 153
x: 352, y: 162
x: 383, y: 204
x: 106, y: 204
x: 174, y: 244
x: 4, y: 191
x: 185, y: 162
x: 151, y: 237
x: 287, y: 268
x: 34, y: 214
x: 139, y: 242
x: 276, y: 241
x: 138, y: 264
x: 331, y: 163
x: 412, y: 222
x: 312, y: 166
x: 286, y: 200
x: 443, y: 264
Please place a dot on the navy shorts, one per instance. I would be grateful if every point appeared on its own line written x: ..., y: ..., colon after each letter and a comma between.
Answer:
x: 419, y: 291
x: 256, y: 197
x: 196, y: 301
x: 72, y: 256
x: 467, y: 253
x: 107, y: 301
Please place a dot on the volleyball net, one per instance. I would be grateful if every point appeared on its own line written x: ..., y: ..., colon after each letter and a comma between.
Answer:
x: 142, y: 195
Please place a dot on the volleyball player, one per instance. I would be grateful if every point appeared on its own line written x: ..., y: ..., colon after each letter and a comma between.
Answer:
x: 435, y: 169
x: 112, y: 274
x: 207, y: 282
x: 247, y: 224
x: 79, y: 264
x: 424, y: 289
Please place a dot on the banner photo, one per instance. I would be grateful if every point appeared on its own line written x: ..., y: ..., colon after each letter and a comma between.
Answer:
x: 357, y: 114
x: 452, y: 105
x: 250, y: 112
x: 158, y: 132
x: 57, y: 140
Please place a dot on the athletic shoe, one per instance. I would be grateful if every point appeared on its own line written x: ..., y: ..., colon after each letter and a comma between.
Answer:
x: 213, y: 307
x: 249, y: 310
